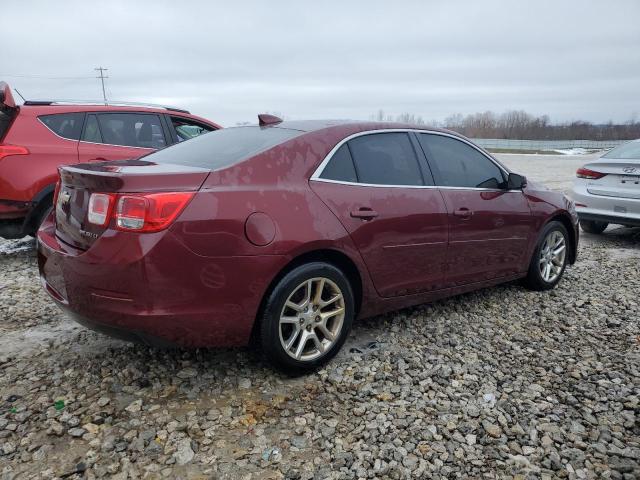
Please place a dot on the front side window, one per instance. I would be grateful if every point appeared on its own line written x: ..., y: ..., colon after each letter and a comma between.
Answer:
x: 456, y: 164
x: 187, y: 129
x: 340, y: 167
x: 65, y: 125
x: 385, y: 159
x: 132, y: 130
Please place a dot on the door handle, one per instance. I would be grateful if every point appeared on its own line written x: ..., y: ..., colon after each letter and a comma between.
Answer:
x: 98, y: 159
x: 464, y: 213
x: 364, y: 213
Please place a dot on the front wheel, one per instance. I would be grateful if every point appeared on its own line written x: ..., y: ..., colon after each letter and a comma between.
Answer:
x: 591, y: 226
x: 549, y: 258
x: 307, y: 318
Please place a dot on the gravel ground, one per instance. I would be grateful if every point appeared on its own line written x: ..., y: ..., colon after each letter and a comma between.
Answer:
x: 498, y: 383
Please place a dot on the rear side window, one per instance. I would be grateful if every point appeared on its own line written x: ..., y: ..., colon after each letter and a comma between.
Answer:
x: 65, y: 125
x: 385, y: 159
x: 225, y: 147
x: 132, y: 130
x: 457, y: 164
x: 340, y: 167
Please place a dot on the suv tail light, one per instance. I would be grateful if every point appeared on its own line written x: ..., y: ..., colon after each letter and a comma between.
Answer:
x: 139, y: 212
x: 8, y: 150
x: 589, y: 174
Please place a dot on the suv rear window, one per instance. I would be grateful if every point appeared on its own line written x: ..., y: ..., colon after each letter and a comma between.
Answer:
x: 65, y: 125
x: 225, y: 147
x: 5, y: 121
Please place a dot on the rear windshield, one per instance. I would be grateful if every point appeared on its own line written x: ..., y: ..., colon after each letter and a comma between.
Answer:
x: 626, y: 150
x: 223, y: 148
x: 5, y: 121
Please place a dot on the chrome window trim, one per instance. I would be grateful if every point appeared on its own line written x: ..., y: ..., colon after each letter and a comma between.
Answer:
x: 316, y: 174
x: 121, y: 146
x: 377, y: 185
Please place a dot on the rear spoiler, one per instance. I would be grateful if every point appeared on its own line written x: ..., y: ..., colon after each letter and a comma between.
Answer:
x: 6, y: 98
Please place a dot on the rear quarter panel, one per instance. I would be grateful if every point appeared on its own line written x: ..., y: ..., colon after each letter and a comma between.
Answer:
x: 22, y: 177
x: 275, y: 184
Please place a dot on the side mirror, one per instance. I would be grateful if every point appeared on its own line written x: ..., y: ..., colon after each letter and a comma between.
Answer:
x: 516, y: 182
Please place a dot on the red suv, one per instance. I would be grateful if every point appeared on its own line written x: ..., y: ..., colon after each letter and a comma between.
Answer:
x: 39, y: 136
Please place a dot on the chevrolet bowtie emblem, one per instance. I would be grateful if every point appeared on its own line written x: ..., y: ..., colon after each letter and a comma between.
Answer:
x: 65, y: 197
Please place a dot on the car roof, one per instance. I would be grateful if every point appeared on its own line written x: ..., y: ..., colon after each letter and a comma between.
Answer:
x: 45, y: 108
x: 355, y: 126
x: 111, y: 103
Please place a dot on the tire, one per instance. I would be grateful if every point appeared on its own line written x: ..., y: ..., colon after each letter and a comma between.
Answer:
x: 545, y: 268
x: 591, y: 226
x: 41, y: 212
x: 321, y: 338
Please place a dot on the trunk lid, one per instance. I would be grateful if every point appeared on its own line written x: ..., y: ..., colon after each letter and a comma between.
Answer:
x: 622, y: 178
x: 78, y: 182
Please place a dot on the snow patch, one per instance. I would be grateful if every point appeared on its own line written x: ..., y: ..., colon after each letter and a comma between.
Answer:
x: 10, y: 247
x: 574, y: 151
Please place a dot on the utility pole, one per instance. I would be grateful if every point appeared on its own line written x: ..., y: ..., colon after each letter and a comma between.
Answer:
x: 102, y: 77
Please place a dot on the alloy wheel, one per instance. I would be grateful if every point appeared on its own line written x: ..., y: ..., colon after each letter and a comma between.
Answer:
x: 552, y: 256
x: 312, y: 319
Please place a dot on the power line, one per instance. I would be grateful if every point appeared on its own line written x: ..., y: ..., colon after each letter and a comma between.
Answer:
x: 102, y: 77
x: 43, y: 77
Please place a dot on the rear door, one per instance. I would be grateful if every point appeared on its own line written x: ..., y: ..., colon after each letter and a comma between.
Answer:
x: 489, y: 226
x: 397, y: 219
x: 118, y: 136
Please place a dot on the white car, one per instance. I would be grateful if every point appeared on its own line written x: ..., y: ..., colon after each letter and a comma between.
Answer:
x: 607, y: 190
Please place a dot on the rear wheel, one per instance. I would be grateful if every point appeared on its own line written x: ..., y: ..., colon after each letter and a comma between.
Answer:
x: 307, y: 318
x: 40, y: 212
x: 549, y: 258
x: 591, y: 226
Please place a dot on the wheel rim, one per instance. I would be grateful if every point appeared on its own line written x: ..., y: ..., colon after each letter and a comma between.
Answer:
x: 311, y: 319
x: 552, y: 255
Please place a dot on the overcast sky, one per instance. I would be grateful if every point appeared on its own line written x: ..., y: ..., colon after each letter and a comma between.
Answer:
x: 230, y: 60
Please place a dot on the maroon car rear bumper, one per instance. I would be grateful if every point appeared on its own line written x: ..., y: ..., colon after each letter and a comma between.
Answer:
x: 150, y: 287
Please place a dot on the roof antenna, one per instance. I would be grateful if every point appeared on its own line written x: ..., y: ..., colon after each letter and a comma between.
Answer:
x: 23, y: 99
x: 265, y: 119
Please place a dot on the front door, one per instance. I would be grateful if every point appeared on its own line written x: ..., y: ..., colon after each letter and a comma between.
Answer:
x: 376, y: 187
x: 489, y: 226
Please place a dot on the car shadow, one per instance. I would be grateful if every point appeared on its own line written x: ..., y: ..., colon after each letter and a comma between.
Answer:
x: 616, y: 235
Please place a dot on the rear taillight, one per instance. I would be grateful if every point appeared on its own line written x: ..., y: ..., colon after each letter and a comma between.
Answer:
x: 100, y: 208
x: 140, y: 212
x: 589, y: 174
x: 8, y: 150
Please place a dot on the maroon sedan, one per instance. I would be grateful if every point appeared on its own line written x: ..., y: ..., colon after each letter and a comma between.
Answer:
x: 287, y: 231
